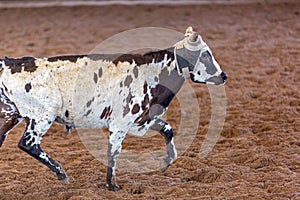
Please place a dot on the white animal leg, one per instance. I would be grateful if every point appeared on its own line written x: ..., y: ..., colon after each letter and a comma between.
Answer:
x: 114, y: 149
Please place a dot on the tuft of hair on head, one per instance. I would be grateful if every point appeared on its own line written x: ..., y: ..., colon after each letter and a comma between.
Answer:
x: 188, y: 31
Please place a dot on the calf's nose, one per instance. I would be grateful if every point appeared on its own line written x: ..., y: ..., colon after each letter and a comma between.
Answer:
x: 224, y: 76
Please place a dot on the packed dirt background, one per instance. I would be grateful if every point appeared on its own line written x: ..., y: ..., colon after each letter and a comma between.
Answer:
x: 258, y: 153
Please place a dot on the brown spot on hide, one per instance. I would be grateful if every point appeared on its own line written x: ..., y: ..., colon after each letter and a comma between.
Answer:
x: 89, y: 103
x: 16, y: 65
x: 67, y: 114
x: 5, y: 88
x: 135, y: 71
x: 28, y: 87
x: 143, y: 118
x: 147, y: 58
x: 145, y: 102
x: 106, y: 113
x: 135, y: 109
x: 88, y: 112
x: 128, y: 81
x: 95, y: 78
x: 71, y: 58
x: 145, y: 87
x: 126, y: 110
x: 100, y: 72
x: 103, y: 113
x: 160, y: 100
x: 129, y: 97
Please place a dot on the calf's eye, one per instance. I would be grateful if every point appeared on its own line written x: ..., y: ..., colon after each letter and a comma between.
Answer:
x: 205, y: 55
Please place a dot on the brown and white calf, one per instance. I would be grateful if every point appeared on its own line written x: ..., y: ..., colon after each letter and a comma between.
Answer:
x: 125, y: 94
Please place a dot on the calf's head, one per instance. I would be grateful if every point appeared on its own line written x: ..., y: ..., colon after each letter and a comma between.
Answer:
x: 195, y: 58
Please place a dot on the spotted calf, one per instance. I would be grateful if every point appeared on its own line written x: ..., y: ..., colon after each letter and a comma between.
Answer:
x: 125, y: 93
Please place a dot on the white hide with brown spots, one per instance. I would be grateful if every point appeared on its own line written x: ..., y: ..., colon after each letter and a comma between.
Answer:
x: 125, y: 93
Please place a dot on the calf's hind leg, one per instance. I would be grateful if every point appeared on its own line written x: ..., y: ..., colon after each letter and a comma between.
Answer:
x: 30, y: 143
x: 6, y: 126
x: 9, y: 117
x: 114, y: 149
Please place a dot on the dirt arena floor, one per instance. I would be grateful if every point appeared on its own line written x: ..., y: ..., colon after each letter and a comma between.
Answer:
x: 258, y: 153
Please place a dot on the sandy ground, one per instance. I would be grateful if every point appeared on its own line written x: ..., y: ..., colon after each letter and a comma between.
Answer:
x: 258, y: 153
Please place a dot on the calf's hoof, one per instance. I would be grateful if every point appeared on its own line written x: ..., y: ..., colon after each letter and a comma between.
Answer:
x: 112, y: 187
x: 63, y: 179
x: 166, y: 164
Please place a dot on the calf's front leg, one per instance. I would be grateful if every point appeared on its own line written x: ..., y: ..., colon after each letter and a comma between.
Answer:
x: 166, y: 130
